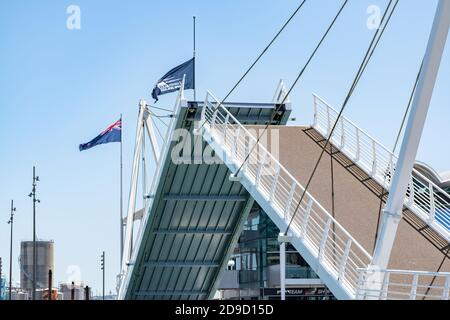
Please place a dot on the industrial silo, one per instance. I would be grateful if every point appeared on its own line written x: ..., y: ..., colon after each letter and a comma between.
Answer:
x: 44, y: 263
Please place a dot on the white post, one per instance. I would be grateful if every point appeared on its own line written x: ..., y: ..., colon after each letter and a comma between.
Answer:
x: 432, y: 204
x: 446, y: 292
x: 134, y: 181
x: 289, y: 200
x: 374, y: 159
x: 278, y: 92
x: 328, y: 122
x: 273, y: 187
x: 411, y: 191
x: 419, y: 109
x: 304, y: 226
x: 415, y: 283
x: 283, y: 270
x: 358, y: 146
x: 315, y: 111
x: 153, y: 140
x: 282, y: 266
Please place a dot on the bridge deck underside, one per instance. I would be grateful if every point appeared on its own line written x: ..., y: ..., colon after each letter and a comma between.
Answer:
x: 194, y: 222
x: 189, y: 236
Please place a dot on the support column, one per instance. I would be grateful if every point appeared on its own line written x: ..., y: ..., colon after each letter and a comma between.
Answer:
x: 283, y: 239
x: 283, y: 270
x: 134, y: 180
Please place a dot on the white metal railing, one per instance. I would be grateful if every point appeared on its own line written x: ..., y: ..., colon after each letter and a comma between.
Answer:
x: 429, y: 202
x: 403, y: 285
x: 334, y: 249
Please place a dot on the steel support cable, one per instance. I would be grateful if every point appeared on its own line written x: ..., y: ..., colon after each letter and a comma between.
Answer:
x: 373, y: 45
x: 411, y: 97
x: 399, y: 133
x: 380, y: 35
x: 265, y: 50
x: 293, y: 84
x: 157, y: 129
x: 259, y: 56
x: 159, y: 108
x: 159, y: 118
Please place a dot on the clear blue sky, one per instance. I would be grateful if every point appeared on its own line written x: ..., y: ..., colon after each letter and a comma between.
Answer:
x: 59, y: 88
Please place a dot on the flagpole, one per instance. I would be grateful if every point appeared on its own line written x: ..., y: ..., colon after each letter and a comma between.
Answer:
x: 121, y: 193
x: 195, y: 90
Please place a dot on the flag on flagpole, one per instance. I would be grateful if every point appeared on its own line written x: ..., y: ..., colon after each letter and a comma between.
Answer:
x: 171, y: 81
x: 112, y: 134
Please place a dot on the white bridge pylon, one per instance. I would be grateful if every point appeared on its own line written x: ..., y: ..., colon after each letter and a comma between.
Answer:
x: 145, y: 127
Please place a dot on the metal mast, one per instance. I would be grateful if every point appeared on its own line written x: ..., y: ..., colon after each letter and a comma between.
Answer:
x: 11, y: 222
x: 194, y: 52
x: 419, y: 109
x: 103, y: 273
x: 121, y: 193
x: 33, y: 196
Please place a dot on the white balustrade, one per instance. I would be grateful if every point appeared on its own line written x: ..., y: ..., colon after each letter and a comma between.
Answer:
x: 429, y: 202
x: 403, y: 285
x: 333, y: 247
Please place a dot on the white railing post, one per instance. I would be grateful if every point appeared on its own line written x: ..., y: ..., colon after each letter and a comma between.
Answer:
x: 358, y: 147
x: 324, y: 239
x: 203, y: 114
x: 342, y: 132
x: 315, y: 111
x: 432, y: 205
x: 412, y: 192
x: 391, y: 170
x: 374, y: 158
x: 344, y: 259
x: 385, y: 287
x: 304, y: 225
x: 445, y: 295
x: 273, y: 187
x: 214, y: 116
x: 359, y: 295
x: 260, y: 169
x: 289, y: 200
x: 328, y: 122
x: 236, y: 141
x: 225, y: 128
x: 413, y: 293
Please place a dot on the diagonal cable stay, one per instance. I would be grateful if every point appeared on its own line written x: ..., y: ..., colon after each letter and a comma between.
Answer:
x: 369, y: 53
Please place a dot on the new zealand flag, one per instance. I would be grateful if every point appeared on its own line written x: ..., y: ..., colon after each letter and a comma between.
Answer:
x: 112, y: 134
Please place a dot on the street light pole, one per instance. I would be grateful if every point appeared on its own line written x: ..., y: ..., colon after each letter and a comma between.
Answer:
x: 33, y: 196
x: 11, y: 222
x: 103, y: 272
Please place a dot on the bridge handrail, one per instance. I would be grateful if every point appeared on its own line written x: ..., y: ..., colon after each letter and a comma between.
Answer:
x: 334, y: 247
x: 427, y: 200
x: 403, y: 284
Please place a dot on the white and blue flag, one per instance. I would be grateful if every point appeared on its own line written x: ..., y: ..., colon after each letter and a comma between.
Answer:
x: 171, y: 81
